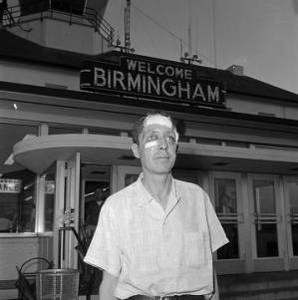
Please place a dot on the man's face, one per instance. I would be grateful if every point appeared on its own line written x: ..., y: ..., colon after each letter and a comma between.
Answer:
x: 98, y: 194
x: 157, y: 148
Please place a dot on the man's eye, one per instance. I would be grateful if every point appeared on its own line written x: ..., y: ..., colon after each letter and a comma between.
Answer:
x: 151, y: 138
x: 171, y: 139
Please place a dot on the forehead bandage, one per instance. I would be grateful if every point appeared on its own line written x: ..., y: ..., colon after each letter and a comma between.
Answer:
x: 160, y: 120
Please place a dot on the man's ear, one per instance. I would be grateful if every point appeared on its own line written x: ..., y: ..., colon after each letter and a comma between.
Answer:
x: 135, y: 150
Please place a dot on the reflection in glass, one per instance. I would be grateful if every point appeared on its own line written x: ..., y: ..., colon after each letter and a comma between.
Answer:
x: 225, y: 195
x: 96, y: 190
x: 130, y: 178
x: 230, y: 250
x: 267, y: 240
x: 17, y: 200
x: 17, y: 184
x: 226, y: 209
x: 27, y: 205
x: 264, y: 197
x: 266, y: 218
x: 295, y: 239
x: 49, y: 202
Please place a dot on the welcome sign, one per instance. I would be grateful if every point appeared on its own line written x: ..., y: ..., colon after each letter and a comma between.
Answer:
x: 152, y: 79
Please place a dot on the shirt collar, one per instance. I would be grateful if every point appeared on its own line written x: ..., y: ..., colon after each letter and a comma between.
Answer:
x: 145, y: 196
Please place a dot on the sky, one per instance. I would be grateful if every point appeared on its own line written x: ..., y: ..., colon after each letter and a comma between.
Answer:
x: 260, y: 35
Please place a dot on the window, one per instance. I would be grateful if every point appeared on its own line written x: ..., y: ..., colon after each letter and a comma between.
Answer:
x: 17, y: 184
x: 47, y: 200
x: 226, y: 209
x: 17, y: 198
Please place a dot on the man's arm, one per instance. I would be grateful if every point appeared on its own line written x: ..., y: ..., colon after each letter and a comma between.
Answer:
x: 107, y: 287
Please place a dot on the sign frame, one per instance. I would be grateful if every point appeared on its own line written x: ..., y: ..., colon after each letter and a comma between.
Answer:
x: 155, y: 80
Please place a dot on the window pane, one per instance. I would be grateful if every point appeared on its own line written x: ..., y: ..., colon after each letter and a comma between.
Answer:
x: 18, y: 200
x: 293, y: 199
x: 267, y: 240
x: 266, y: 230
x: 130, y: 178
x: 96, y: 190
x: 17, y: 184
x: 27, y: 205
x: 225, y: 195
x: 10, y: 191
x: 264, y: 196
x: 230, y: 250
x: 295, y: 239
x: 49, y: 206
x: 64, y: 130
x: 226, y: 208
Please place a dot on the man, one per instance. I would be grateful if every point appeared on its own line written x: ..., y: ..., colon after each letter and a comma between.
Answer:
x: 155, y: 238
x: 93, y: 210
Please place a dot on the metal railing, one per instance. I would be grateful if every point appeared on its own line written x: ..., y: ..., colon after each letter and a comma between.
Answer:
x: 19, y: 15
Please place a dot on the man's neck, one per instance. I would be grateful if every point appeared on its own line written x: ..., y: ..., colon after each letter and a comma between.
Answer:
x: 159, y: 186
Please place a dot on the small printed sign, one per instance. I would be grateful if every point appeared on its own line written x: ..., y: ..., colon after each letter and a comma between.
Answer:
x: 12, y: 186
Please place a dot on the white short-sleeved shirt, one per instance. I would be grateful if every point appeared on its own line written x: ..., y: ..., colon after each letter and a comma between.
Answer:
x: 154, y: 251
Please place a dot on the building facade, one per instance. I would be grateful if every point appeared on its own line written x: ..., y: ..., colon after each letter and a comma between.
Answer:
x: 67, y: 105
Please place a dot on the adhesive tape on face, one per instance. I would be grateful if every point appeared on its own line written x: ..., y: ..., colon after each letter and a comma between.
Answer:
x: 158, y: 119
x: 151, y: 144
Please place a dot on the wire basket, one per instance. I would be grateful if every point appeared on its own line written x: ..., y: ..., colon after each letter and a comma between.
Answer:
x: 57, y: 284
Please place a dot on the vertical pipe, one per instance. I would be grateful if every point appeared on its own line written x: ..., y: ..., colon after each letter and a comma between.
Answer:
x: 189, y: 29
x: 127, y: 26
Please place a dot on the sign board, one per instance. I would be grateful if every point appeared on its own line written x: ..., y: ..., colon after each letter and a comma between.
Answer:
x: 12, y: 186
x: 152, y: 79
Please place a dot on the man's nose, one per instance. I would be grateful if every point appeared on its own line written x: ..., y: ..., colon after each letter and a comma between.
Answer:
x: 163, y: 144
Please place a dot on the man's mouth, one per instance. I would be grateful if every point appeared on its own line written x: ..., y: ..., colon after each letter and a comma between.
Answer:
x: 162, y: 157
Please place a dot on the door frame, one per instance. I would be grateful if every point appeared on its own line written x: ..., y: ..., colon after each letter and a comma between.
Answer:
x: 233, y: 265
x: 66, y: 212
x: 292, y: 261
x: 267, y: 264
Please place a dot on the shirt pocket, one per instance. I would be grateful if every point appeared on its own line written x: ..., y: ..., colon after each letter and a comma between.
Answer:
x: 195, y: 249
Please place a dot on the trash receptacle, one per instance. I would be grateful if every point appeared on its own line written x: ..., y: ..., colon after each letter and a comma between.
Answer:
x: 57, y: 284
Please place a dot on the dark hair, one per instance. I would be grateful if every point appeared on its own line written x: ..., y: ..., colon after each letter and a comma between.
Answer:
x: 139, y: 124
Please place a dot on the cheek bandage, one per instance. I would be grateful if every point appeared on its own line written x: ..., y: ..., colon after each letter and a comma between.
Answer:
x: 151, y: 144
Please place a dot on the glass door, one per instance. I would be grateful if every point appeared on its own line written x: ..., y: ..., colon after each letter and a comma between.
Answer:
x: 95, y: 189
x: 225, y: 194
x: 72, y: 209
x: 268, y: 240
x: 291, y: 196
x: 123, y: 176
